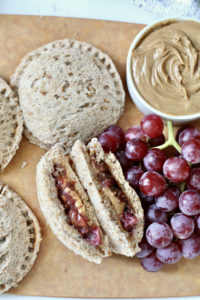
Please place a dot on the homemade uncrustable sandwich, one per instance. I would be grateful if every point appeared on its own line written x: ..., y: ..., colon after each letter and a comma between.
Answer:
x: 116, y: 204
x: 65, y: 81
x: 67, y: 208
x: 77, y: 211
x: 19, y: 238
x: 11, y: 124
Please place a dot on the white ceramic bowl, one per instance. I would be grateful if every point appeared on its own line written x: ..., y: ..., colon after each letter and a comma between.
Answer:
x: 136, y: 96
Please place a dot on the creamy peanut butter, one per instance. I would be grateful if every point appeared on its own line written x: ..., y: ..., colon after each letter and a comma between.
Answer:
x: 166, y: 67
x: 118, y: 205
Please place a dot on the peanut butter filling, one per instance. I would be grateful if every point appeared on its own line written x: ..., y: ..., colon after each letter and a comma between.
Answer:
x: 166, y: 67
x: 109, y: 188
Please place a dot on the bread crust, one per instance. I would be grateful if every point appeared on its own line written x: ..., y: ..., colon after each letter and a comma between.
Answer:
x: 119, y: 239
x: 20, y: 238
x: 11, y: 124
x: 54, y: 211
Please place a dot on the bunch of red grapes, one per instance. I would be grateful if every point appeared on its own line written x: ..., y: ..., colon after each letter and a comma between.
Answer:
x: 169, y: 188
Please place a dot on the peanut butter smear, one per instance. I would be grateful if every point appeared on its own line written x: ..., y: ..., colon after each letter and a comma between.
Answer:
x: 166, y: 67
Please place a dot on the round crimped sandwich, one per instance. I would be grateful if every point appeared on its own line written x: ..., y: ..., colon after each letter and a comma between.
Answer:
x: 67, y: 208
x: 19, y: 238
x: 116, y: 204
x: 11, y: 124
x: 68, y: 90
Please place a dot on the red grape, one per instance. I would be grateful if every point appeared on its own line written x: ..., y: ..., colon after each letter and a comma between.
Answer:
x: 167, y: 201
x: 134, y: 133
x: 146, y: 249
x: 123, y: 160
x: 152, y: 183
x: 108, y: 141
x: 159, y: 234
x: 151, y: 263
x: 116, y: 130
x: 176, y: 169
x: 155, y: 214
x: 182, y: 226
x: 146, y: 199
x: 189, y: 203
x: 193, y: 181
x: 197, y: 221
x: 191, y: 151
x: 191, y: 246
x: 154, y: 160
x: 133, y: 175
x: 188, y: 134
x: 179, y: 132
x: 175, y: 190
x: 157, y: 141
x: 152, y: 126
x: 170, y: 254
x: 135, y: 149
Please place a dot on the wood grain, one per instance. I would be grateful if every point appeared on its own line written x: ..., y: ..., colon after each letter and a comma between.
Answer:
x: 57, y: 271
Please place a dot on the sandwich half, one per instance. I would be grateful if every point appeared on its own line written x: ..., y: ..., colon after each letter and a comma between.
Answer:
x: 67, y: 208
x: 116, y: 204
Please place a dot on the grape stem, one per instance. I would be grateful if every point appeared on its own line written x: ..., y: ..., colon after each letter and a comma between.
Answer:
x: 171, y: 140
x: 182, y: 186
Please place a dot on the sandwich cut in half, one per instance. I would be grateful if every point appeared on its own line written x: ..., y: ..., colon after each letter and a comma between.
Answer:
x: 116, y: 204
x: 67, y: 208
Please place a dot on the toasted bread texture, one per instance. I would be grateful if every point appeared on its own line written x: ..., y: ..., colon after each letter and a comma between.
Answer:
x: 120, y: 240
x: 54, y: 211
x: 11, y: 124
x: 68, y: 90
x: 19, y: 238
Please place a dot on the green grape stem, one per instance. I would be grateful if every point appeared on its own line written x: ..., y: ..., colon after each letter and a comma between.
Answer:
x: 171, y: 140
x: 182, y: 186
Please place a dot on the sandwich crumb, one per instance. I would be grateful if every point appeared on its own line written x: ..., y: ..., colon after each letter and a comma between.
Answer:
x: 24, y: 164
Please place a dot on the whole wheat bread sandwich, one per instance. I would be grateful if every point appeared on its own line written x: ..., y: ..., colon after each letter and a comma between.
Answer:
x: 67, y: 90
x: 11, y: 124
x: 67, y: 208
x: 19, y: 238
x: 117, y: 206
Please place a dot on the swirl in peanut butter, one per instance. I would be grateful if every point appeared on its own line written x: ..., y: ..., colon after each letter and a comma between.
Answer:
x: 166, y: 68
